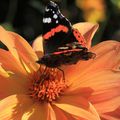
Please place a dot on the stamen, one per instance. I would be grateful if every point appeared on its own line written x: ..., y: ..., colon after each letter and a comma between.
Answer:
x: 47, y: 85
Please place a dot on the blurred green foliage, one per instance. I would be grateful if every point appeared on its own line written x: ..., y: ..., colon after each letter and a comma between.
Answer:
x: 25, y: 17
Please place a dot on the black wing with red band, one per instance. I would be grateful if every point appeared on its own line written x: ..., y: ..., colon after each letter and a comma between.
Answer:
x: 62, y: 44
x: 57, y: 29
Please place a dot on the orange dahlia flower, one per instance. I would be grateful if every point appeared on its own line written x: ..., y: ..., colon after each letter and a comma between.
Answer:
x: 90, y: 91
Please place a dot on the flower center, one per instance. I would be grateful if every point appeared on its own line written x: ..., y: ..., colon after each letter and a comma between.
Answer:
x: 47, y: 85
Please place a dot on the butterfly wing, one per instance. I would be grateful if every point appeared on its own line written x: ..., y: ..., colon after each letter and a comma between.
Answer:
x: 56, y: 29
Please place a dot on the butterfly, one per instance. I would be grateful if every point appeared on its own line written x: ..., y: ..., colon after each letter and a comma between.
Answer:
x: 63, y: 45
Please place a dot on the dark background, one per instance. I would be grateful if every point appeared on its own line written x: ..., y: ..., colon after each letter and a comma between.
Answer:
x: 25, y: 16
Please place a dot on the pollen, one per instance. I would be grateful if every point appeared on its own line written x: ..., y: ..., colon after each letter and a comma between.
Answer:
x: 48, y: 85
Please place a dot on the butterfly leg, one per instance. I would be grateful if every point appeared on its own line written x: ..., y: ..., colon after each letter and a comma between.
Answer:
x: 43, y: 75
x: 62, y: 73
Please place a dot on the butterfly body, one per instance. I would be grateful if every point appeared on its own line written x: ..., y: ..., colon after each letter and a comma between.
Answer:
x: 63, y: 45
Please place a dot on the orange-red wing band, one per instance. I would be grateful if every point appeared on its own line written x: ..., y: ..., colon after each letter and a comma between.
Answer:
x: 79, y: 37
x: 67, y: 51
x: 55, y: 30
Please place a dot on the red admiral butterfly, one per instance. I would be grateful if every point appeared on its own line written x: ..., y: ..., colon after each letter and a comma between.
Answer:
x: 62, y: 43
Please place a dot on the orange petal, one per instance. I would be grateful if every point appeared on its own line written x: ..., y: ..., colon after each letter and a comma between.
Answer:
x: 3, y: 72
x: 106, y: 86
x: 61, y: 115
x: 77, y: 111
x: 36, y: 112
x: 100, y: 79
x: 114, y: 114
x: 78, y: 101
x: 24, y: 50
x: 18, y: 47
x: 107, y: 105
x: 87, y: 30
x: 12, y: 85
x: 9, y: 63
x: 80, y: 96
x: 14, y: 78
x: 38, y: 46
x: 105, y: 52
x: 13, y: 107
x: 108, y: 117
x: 52, y: 115
x: 8, y: 41
x: 83, y: 92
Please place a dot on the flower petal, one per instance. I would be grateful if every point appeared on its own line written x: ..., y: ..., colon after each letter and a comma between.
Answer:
x: 12, y: 85
x: 13, y: 77
x: 87, y: 30
x: 106, y: 86
x: 80, y: 96
x: 24, y: 50
x: 36, y: 112
x: 107, y: 105
x: 18, y: 47
x: 61, y: 115
x: 77, y: 111
x: 7, y: 40
x: 13, y: 107
x: 9, y: 63
x: 115, y: 115
x: 75, y: 100
x: 108, y: 117
x: 105, y: 52
x: 38, y: 46
x: 52, y: 115
x: 83, y: 92
x: 3, y: 72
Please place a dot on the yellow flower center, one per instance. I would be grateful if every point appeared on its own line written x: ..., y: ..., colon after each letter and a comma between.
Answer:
x: 47, y: 85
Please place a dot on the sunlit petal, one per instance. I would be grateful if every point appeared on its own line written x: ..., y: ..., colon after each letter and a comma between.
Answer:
x: 13, y: 107
x: 36, y: 112
x: 77, y: 111
x: 8, y: 41
x: 77, y: 101
x: 9, y: 63
x: 19, y: 48
x: 24, y: 50
x: 3, y: 72
x: 62, y: 114
x: 52, y: 115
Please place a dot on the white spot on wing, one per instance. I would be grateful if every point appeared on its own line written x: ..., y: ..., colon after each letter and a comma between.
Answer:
x: 47, y: 20
x: 56, y: 21
x: 55, y: 16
